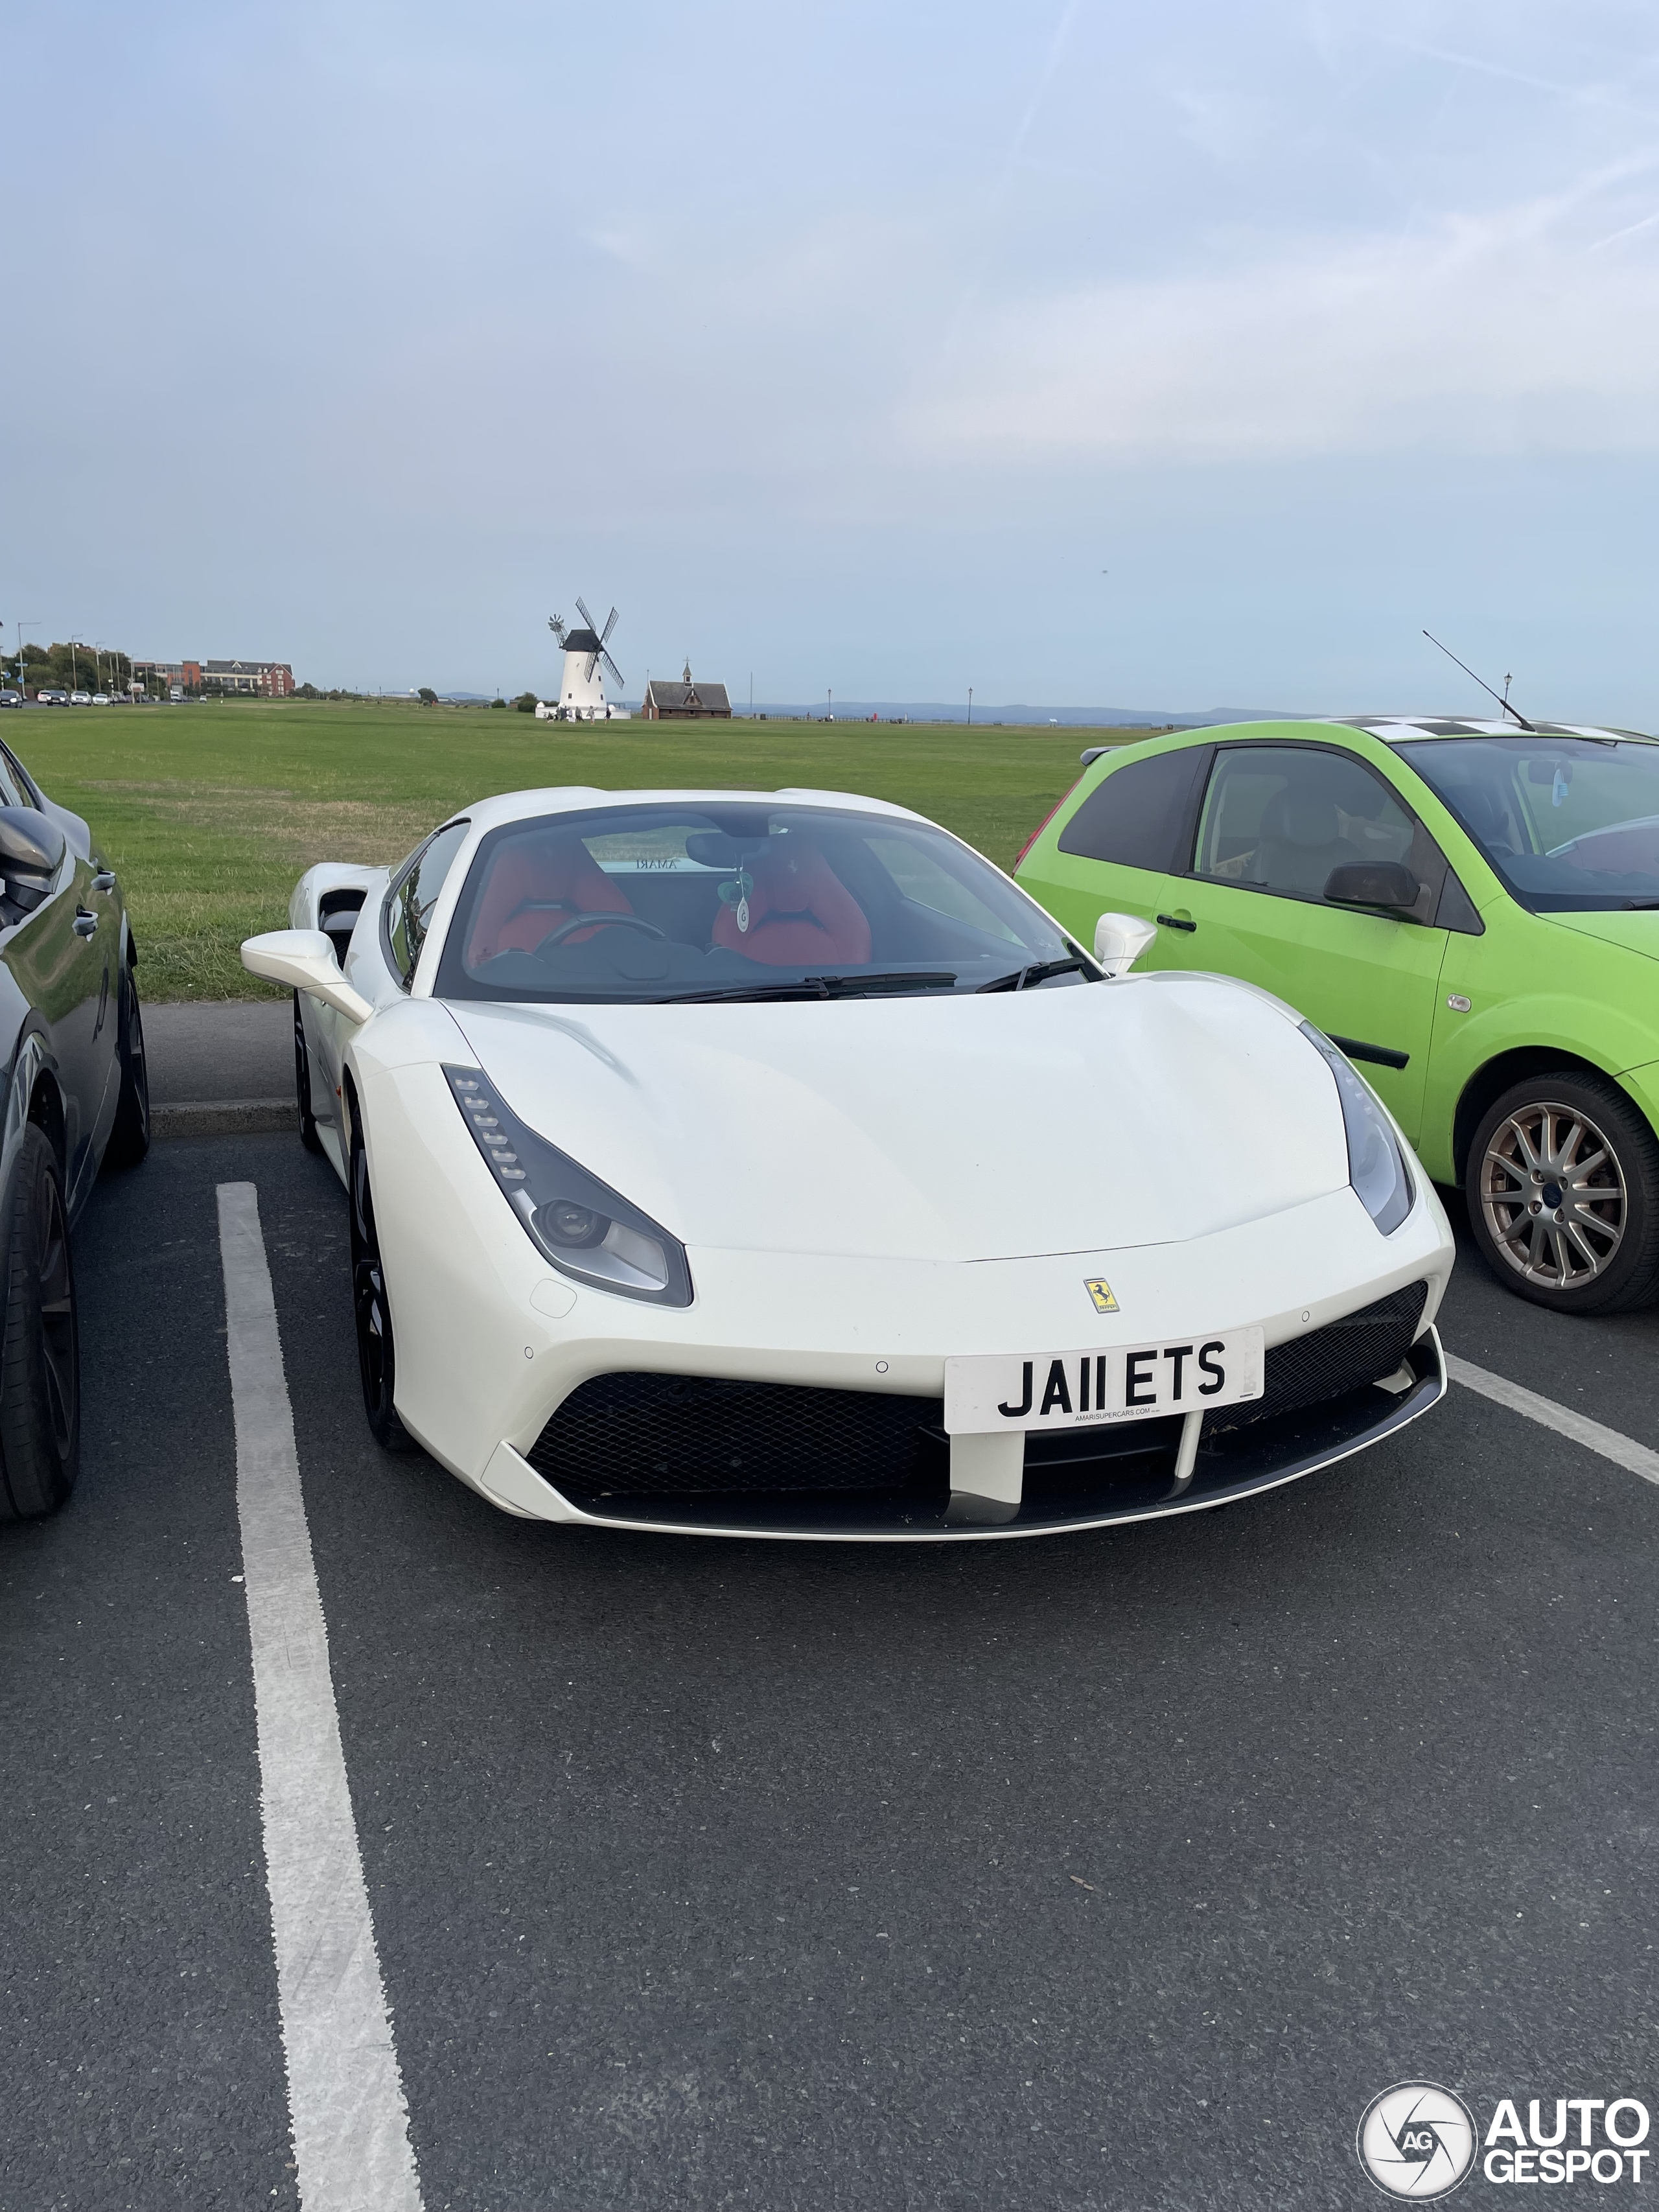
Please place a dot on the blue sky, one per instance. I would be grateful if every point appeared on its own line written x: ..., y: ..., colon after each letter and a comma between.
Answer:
x: 847, y: 344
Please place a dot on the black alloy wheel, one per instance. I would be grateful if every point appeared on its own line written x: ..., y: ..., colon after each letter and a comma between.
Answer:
x: 41, y: 1353
x: 309, y: 1136
x: 1563, y: 1189
x: 377, y: 1361
x: 129, y: 1139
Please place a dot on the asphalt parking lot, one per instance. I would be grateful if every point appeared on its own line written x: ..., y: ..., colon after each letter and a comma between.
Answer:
x: 1118, y: 1870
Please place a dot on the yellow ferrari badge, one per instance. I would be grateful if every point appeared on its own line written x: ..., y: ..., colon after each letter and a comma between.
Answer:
x: 1101, y: 1292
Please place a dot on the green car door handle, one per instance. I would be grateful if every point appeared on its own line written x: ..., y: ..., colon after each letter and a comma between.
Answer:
x: 84, y: 923
x: 104, y: 880
x: 1173, y: 921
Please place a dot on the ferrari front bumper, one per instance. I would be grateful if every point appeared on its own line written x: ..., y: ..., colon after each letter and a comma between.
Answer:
x: 1130, y: 1474
x: 494, y: 1351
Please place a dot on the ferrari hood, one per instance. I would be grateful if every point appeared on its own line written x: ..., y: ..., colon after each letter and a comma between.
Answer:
x: 1075, y: 1120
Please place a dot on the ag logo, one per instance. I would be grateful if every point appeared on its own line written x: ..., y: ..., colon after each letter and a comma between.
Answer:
x: 1101, y: 1292
x: 1417, y: 2141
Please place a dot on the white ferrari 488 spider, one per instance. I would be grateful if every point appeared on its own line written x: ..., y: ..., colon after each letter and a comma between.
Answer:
x: 769, y: 1165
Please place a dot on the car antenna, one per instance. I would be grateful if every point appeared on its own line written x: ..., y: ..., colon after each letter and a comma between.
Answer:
x: 1503, y: 699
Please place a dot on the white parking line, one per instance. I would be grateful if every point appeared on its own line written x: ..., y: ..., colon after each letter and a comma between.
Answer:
x: 1624, y: 1451
x: 345, y: 2092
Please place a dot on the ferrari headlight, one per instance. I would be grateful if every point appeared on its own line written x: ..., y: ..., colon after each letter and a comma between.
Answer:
x: 1374, y: 1166
x: 580, y: 1224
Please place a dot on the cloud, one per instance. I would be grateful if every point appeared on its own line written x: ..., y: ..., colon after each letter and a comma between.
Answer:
x: 1494, y: 334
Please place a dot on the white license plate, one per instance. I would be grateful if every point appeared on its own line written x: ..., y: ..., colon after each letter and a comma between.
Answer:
x: 1125, y: 1382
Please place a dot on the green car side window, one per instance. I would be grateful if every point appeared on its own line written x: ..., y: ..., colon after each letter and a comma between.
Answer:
x: 1139, y: 815
x: 1280, y: 818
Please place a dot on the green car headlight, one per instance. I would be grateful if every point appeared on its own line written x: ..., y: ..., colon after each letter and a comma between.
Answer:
x: 1375, y: 1168
x: 585, y: 1229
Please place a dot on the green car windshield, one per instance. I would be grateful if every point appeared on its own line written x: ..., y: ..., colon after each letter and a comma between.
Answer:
x: 1570, y: 824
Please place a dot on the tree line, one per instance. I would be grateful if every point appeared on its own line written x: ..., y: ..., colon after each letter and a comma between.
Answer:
x: 70, y: 666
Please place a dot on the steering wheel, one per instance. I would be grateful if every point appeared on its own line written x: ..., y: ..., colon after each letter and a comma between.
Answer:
x: 599, y: 921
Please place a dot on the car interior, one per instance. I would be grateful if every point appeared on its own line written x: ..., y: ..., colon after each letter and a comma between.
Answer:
x: 1572, y: 824
x: 1284, y: 822
x: 615, y: 903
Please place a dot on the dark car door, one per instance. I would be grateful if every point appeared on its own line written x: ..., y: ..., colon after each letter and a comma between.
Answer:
x: 62, y: 956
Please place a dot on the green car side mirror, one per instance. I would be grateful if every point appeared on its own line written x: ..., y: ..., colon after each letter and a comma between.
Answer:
x: 1372, y: 883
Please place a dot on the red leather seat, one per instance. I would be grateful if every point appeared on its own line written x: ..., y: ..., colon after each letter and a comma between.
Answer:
x: 556, y: 870
x: 800, y: 914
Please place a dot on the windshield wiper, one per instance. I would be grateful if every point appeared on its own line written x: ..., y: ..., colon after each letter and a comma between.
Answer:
x: 1632, y: 906
x: 820, y: 987
x: 1021, y: 978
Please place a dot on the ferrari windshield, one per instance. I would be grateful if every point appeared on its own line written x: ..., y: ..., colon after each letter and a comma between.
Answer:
x: 1568, y: 823
x: 738, y: 900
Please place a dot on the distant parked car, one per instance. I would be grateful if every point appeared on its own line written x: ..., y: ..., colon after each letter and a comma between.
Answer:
x: 77, y: 1097
x: 11, y: 698
x: 101, y: 698
x: 80, y: 698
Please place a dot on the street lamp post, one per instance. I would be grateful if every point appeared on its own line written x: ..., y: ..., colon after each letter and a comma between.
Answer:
x: 971, y: 706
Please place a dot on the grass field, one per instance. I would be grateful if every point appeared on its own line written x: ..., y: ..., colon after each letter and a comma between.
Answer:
x: 210, y: 811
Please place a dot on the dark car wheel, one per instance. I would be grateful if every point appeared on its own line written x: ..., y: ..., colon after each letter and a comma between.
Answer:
x: 1563, y: 1189
x: 41, y: 1353
x: 377, y: 1361
x: 129, y: 1141
x: 309, y: 1136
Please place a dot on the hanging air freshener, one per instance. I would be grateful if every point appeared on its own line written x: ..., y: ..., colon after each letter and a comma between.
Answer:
x: 736, y: 893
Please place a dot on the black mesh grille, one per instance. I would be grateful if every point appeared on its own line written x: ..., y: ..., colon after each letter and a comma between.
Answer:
x: 1344, y: 1355
x: 657, y: 1435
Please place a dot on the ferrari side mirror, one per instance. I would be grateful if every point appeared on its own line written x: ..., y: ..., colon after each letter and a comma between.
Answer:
x: 304, y: 960
x: 1120, y: 940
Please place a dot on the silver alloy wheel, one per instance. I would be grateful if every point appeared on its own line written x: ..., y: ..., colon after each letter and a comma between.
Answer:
x: 1552, y: 1193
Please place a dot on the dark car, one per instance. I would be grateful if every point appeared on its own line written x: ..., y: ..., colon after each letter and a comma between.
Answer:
x: 76, y: 1097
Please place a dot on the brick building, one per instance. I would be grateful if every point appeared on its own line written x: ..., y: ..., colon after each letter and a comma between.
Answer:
x: 267, y: 679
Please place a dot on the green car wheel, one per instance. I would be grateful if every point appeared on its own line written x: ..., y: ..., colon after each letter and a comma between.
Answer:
x: 1563, y: 1189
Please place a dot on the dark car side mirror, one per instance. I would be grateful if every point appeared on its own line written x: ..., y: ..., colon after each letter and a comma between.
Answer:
x: 31, y: 854
x: 1372, y: 883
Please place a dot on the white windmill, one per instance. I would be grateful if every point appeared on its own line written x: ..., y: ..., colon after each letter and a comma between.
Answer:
x: 581, y: 688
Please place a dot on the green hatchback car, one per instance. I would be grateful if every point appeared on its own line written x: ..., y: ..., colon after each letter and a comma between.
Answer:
x: 1469, y: 909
